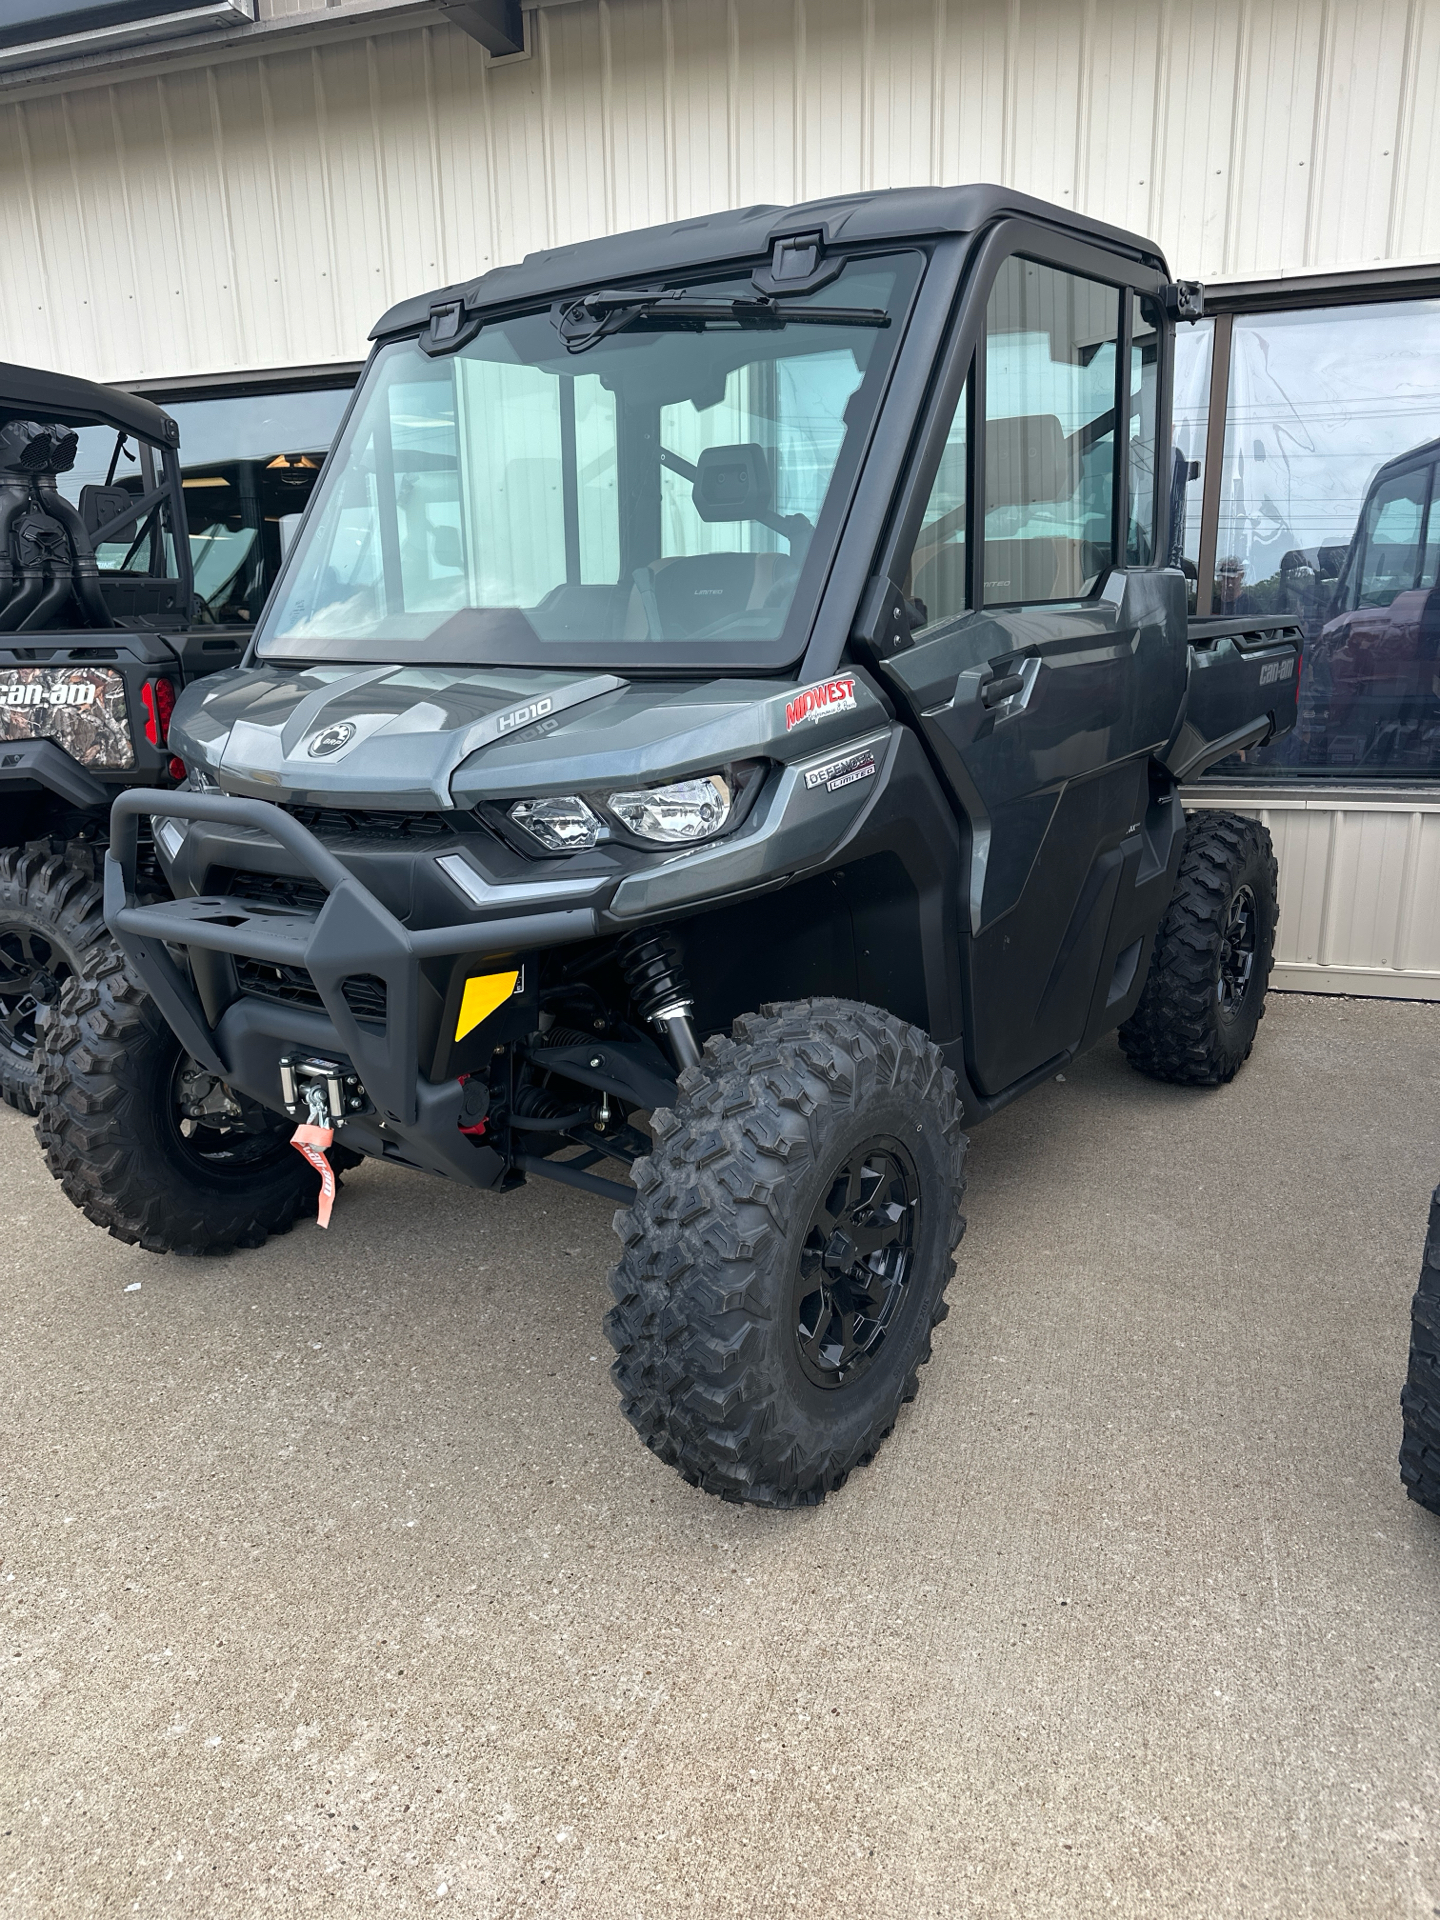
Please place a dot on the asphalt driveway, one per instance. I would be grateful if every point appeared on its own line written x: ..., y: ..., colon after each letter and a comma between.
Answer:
x: 333, y: 1581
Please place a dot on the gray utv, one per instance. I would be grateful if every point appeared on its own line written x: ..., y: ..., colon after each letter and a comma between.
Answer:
x: 96, y: 639
x: 736, y: 674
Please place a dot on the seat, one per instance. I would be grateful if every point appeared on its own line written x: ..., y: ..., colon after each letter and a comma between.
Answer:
x: 691, y: 592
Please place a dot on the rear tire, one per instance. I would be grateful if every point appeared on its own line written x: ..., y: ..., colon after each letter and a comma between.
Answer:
x: 111, y: 1090
x: 50, y: 918
x: 1204, y: 996
x: 788, y: 1251
x: 1420, y: 1396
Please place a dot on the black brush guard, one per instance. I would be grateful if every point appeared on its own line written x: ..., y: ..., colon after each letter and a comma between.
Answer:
x: 353, y: 933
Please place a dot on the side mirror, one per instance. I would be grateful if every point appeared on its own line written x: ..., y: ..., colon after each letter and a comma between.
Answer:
x: 732, y: 483
x: 445, y: 546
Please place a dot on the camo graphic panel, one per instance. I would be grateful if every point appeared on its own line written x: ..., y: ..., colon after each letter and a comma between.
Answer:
x: 81, y: 709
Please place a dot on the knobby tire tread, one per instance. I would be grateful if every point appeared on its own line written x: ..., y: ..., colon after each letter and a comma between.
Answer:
x: 43, y: 888
x: 1174, y: 1033
x: 92, y: 1083
x: 1420, y: 1396
x: 711, y: 1208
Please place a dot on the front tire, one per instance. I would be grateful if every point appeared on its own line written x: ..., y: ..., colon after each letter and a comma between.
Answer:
x: 787, y: 1255
x: 1420, y: 1396
x: 1204, y: 996
x: 145, y: 1142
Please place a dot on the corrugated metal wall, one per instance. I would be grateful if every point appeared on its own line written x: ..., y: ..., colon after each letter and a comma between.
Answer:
x: 259, y: 211
x: 1359, y: 887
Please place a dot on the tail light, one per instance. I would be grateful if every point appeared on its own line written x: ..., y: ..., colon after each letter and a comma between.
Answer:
x: 158, y: 699
x: 177, y: 767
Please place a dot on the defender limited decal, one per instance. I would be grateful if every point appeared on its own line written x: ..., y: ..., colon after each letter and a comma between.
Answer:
x: 828, y: 696
x: 1274, y: 670
x: 837, y: 774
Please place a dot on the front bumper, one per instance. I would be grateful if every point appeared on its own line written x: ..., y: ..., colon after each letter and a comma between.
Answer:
x: 409, y: 1116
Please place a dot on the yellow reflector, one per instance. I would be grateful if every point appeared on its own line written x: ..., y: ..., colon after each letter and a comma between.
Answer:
x: 483, y: 993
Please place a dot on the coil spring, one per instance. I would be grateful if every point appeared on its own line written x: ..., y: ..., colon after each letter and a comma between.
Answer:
x: 542, y: 1103
x: 564, y: 1037
x: 653, y: 972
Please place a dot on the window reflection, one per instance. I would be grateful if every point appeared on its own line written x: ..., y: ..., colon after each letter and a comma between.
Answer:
x: 249, y: 464
x: 1194, y: 354
x: 1324, y: 515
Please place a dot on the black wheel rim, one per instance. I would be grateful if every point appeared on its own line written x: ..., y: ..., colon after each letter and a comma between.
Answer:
x: 32, y: 971
x: 218, y: 1129
x: 1237, y: 953
x: 855, y: 1263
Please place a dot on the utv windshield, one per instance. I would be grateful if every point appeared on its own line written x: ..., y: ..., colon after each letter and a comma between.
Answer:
x: 645, y: 488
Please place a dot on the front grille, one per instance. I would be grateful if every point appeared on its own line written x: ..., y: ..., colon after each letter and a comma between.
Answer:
x: 330, y: 823
x: 365, y: 996
x: 293, y: 985
x: 296, y: 891
x: 364, y: 993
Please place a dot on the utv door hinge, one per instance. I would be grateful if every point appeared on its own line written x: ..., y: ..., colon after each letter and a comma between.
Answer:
x: 886, y: 620
x: 450, y: 327
x: 1185, y: 300
x: 797, y: 264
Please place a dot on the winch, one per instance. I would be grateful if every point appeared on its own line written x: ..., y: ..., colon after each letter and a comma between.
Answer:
x: 318, y: 1091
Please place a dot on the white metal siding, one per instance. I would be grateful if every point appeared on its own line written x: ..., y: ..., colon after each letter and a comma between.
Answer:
x: 1359, y: 887
x: 259, y: 211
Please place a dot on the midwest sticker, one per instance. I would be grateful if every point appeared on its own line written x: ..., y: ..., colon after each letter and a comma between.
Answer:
x: 842, y: 773
x: 828, y: 696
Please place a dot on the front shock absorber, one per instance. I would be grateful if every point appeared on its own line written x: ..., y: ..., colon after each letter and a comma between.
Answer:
x: 659, y: 991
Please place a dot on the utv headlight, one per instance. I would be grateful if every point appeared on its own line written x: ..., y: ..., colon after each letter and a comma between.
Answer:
x: 675, y: 815
x: 562, y: 823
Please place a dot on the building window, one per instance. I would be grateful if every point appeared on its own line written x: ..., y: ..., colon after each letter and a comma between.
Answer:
x: 249, y: 463
x: 1323, y: 503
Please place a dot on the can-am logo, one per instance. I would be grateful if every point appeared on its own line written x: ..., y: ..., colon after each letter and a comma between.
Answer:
x: 829, y: 696
x: 331, y: 739
x: 523, y: 716
x: 62, y: 693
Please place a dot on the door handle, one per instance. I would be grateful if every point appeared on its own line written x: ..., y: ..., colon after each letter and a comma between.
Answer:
x: 994, y: 691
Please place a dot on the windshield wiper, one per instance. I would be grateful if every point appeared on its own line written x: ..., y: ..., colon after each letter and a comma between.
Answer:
x: 580, y: 323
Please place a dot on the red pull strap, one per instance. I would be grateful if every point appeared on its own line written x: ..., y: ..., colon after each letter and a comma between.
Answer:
x: 312, y: 1142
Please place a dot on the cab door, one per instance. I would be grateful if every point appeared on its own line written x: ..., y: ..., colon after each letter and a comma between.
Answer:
x: 1050, y: 658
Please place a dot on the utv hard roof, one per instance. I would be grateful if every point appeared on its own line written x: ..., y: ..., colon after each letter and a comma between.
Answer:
x: 748, y: 233
x: 1412, y: 457
x: 31, y: 393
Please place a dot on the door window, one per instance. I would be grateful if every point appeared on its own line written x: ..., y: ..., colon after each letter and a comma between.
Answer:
x: 1146, y: 333
x: 937, y: 580
x: 1050, y: 387
x: 1391, y: 558
x: 1430, y: 560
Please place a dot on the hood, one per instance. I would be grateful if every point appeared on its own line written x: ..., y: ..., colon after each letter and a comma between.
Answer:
x: 425, y: 737
x: 361, y: 736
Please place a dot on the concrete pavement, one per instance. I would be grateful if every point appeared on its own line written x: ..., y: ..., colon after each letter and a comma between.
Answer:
x: 333, y: 1581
